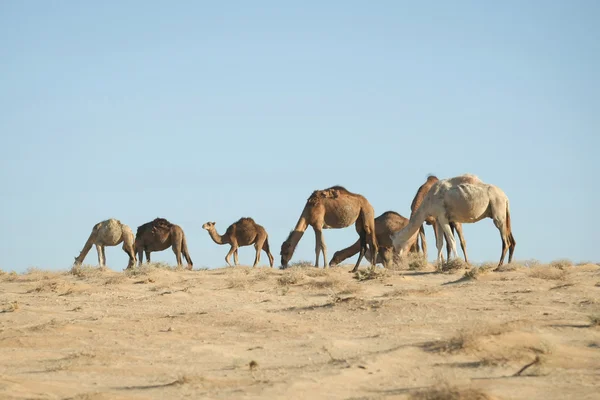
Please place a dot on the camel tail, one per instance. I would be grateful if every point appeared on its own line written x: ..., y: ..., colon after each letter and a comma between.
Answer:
x: 184, y: 250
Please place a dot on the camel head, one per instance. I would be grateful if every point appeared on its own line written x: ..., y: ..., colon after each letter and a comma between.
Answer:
x: 285, y: 253
x: 337, y: 258
x: 209, y: 225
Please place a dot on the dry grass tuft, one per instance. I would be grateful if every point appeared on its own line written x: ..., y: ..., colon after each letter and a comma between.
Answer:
x: 299, y: 264
x: 452, y: 265
x: 86, y: 271
x: 510, y: 267
x: 563, y: 263
x: 476, y: 272
x: 548, y: 273
x: 466, y: 339
x: 11, y: 307
x: 411, y: 262
x: 334, y: 284
x: 446, y: 391
x: 290, y: 277
x: 370, y: 273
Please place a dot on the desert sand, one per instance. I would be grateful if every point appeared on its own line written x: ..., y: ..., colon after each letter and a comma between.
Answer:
x: 526, y: 332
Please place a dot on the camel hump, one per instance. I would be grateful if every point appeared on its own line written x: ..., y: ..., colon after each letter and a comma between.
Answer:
x: 332, y: 192
x: 153, y: 226
x: 390, y: 213
x: 245, y: 220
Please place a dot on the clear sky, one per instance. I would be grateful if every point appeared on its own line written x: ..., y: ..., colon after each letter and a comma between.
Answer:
x: 202, y: 111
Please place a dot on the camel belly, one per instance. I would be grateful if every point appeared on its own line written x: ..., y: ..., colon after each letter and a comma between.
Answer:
x: 340, y: 217
x: 466, y: 203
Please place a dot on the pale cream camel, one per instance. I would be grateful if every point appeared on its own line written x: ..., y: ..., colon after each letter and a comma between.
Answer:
x: 158, y: 235
x: 385, y: 224
x: 464, y: 199
x: 110, y: 232
x: 333, y: 208
x: 454, y: 226
x: 244, y: 232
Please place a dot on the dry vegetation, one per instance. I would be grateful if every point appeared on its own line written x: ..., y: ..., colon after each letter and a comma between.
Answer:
x: 527, y: 331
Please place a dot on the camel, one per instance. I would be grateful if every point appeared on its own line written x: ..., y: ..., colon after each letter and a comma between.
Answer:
x: 386, y: 224
x: 243, y: 232
x: 464, y: 199
x: 158, y: 235
x: 110, y: 232
x: 454, y: 226
x: 333, y: 208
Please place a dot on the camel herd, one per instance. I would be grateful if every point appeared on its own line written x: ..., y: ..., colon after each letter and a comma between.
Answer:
x: 444, y: 204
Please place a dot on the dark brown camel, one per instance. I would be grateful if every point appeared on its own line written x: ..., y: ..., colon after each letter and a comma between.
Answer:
x: 159, y: 235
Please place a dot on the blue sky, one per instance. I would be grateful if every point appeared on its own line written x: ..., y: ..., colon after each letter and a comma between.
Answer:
x: 209, y: 111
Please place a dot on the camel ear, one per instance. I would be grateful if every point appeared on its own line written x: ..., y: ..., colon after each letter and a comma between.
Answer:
x: 214, y: 223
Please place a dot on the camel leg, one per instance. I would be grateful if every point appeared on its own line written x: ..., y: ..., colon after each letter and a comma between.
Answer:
x: 463, y: 243
x: 501, y: 225
x: 128, y: 249
x: 423, y: 241
x: 448, y: 243
x: 99, y: 251
x: 449, y: 237
x: 318, y: 241
x: 235, y: 257
x: 258, y: 247
x: 363, y: 247
x: 511, y: 248
x: 266, y: 249
x: 231, y: 250
x: 147, y: 256
x: 103, y: 256
x: 176, y: 247
x: 439, y: 241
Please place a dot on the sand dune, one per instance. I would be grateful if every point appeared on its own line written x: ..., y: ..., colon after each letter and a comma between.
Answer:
x: 229, y: 333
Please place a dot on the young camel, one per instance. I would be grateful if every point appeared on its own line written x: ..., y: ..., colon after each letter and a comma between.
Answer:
x: 464, y: 199
x: 110, y: 232
x: 333, y: 208
x: 158, y: 235
x: 386, y: 224
x: 244, y: 232
x: 454, y: 226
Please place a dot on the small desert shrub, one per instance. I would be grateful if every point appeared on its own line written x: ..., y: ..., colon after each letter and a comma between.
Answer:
x: 11, y: 307
x: 299, y: 264
x: 411, y: 262
x: 548, y: 273
x: 452, y: 265
x: 370, y: 273
x: 466, y: 339
x: 447, y: 392
x: 513, y: 266
x: 86, y: 271
x: 9, y: 277
x: 290, y: 277
x: 531, y: 263
x: 561, y: 264
x: 476, y: 272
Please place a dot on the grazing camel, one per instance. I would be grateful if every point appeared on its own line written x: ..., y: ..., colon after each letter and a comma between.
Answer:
x: 333, y: 208
x: 159, y: 235
x: 244, y: 232
x: 386, y: 224
x: 464, y: 199
x: 110, y: 232
x: 454, y: 226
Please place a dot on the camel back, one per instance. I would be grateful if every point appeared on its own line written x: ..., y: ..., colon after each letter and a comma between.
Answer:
x: 389, y: 213
x: 158, y: 224
x: 245, y: 220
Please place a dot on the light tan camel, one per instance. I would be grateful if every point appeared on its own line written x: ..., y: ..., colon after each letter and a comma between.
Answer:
x: 243, y: 232
x: 159, y: 235
x: 333, y: 208
x: 110, y: 232
x: 464, y: 199
x: 454, y: 226
x: 386, y: 224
